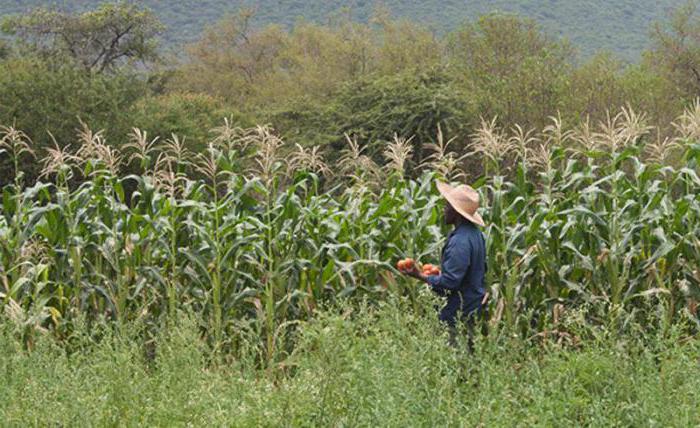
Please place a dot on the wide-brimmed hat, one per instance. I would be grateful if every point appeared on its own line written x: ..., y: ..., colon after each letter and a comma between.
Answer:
x: 464, y: 199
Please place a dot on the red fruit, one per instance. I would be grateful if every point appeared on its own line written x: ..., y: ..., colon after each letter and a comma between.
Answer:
x: 429, y: 269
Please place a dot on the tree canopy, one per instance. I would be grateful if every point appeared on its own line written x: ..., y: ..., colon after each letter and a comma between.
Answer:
x: 98, y: 41
x: 676, y: 48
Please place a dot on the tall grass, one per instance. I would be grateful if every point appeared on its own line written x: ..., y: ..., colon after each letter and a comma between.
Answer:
x: 362, y: 366
x: 253, y: 235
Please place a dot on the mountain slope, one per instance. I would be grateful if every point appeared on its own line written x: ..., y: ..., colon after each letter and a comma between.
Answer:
x: 621, y: 26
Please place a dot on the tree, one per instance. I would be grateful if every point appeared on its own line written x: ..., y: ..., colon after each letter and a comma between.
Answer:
x: 232, y: 58
x: 4, y: 49
x: 511, y: 67
x: 189, y: 116
x: 404, y: 45
x: 374, y: 108
x: 676, y: 49
x: 98, y: 41
x: 596, y: 88
x: 262, y: 66
x: 37, y: 98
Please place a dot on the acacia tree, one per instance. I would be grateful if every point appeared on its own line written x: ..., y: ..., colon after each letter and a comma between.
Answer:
x: 232, y: 57
x: 98, y: 41
x: 510, y: 67
x: 676, y: 49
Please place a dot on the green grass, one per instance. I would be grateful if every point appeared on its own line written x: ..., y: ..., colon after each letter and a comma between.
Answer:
x: 381, y: 366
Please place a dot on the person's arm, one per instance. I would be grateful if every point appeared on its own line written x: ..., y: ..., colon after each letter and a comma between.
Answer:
x: 455, y: 264
x: 426, y: 278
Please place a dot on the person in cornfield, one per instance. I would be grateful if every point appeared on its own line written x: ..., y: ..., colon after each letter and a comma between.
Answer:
x: 463, y: 264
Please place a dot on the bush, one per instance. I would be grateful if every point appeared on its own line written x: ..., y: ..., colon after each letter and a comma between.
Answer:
x: 511, y: 68
x: 39, y: 99
x: 189, y: 116
x: 374, y: 109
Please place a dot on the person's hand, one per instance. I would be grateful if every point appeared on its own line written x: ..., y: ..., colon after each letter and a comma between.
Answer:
x: 413, y: 272
x: 408, y: 267
x: 430, y: 270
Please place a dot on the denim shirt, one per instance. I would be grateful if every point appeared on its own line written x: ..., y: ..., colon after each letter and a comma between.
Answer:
x: 463, y: 269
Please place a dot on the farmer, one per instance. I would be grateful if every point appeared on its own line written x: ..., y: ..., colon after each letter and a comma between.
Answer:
x: 463, y: 263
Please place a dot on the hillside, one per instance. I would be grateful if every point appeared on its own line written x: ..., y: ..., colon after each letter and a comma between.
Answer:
x: 621, y: 26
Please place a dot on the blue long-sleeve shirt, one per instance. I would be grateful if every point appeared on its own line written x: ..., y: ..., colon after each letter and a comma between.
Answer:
x: 463, y: 271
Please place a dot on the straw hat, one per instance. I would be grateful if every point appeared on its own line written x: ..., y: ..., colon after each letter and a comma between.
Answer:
x: 464, y: 199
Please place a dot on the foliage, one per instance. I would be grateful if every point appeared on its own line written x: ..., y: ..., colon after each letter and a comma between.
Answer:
x: 98, y: 41
x: 43, y: 99
x: 619, y: 26
x: 188, y: 116
x: 593, y: 216
x: 511, y: 68
x: 253, y: 228
x: 676, y: 51
x: 4, y: 49
x: 596, y: 87
x: 236, y: 61
x: 410, y: 105
x: 230, y: 58
x: 362, y: 367
x: 374, y: 110
x: 315, y: 84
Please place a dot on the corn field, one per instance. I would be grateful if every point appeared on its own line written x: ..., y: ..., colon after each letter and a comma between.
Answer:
x: 254, y: 235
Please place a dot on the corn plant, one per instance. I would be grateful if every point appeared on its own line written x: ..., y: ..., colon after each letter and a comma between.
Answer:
x: 255, y: 234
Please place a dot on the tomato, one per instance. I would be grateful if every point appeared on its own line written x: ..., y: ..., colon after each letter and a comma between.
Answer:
x: 429, y: 269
